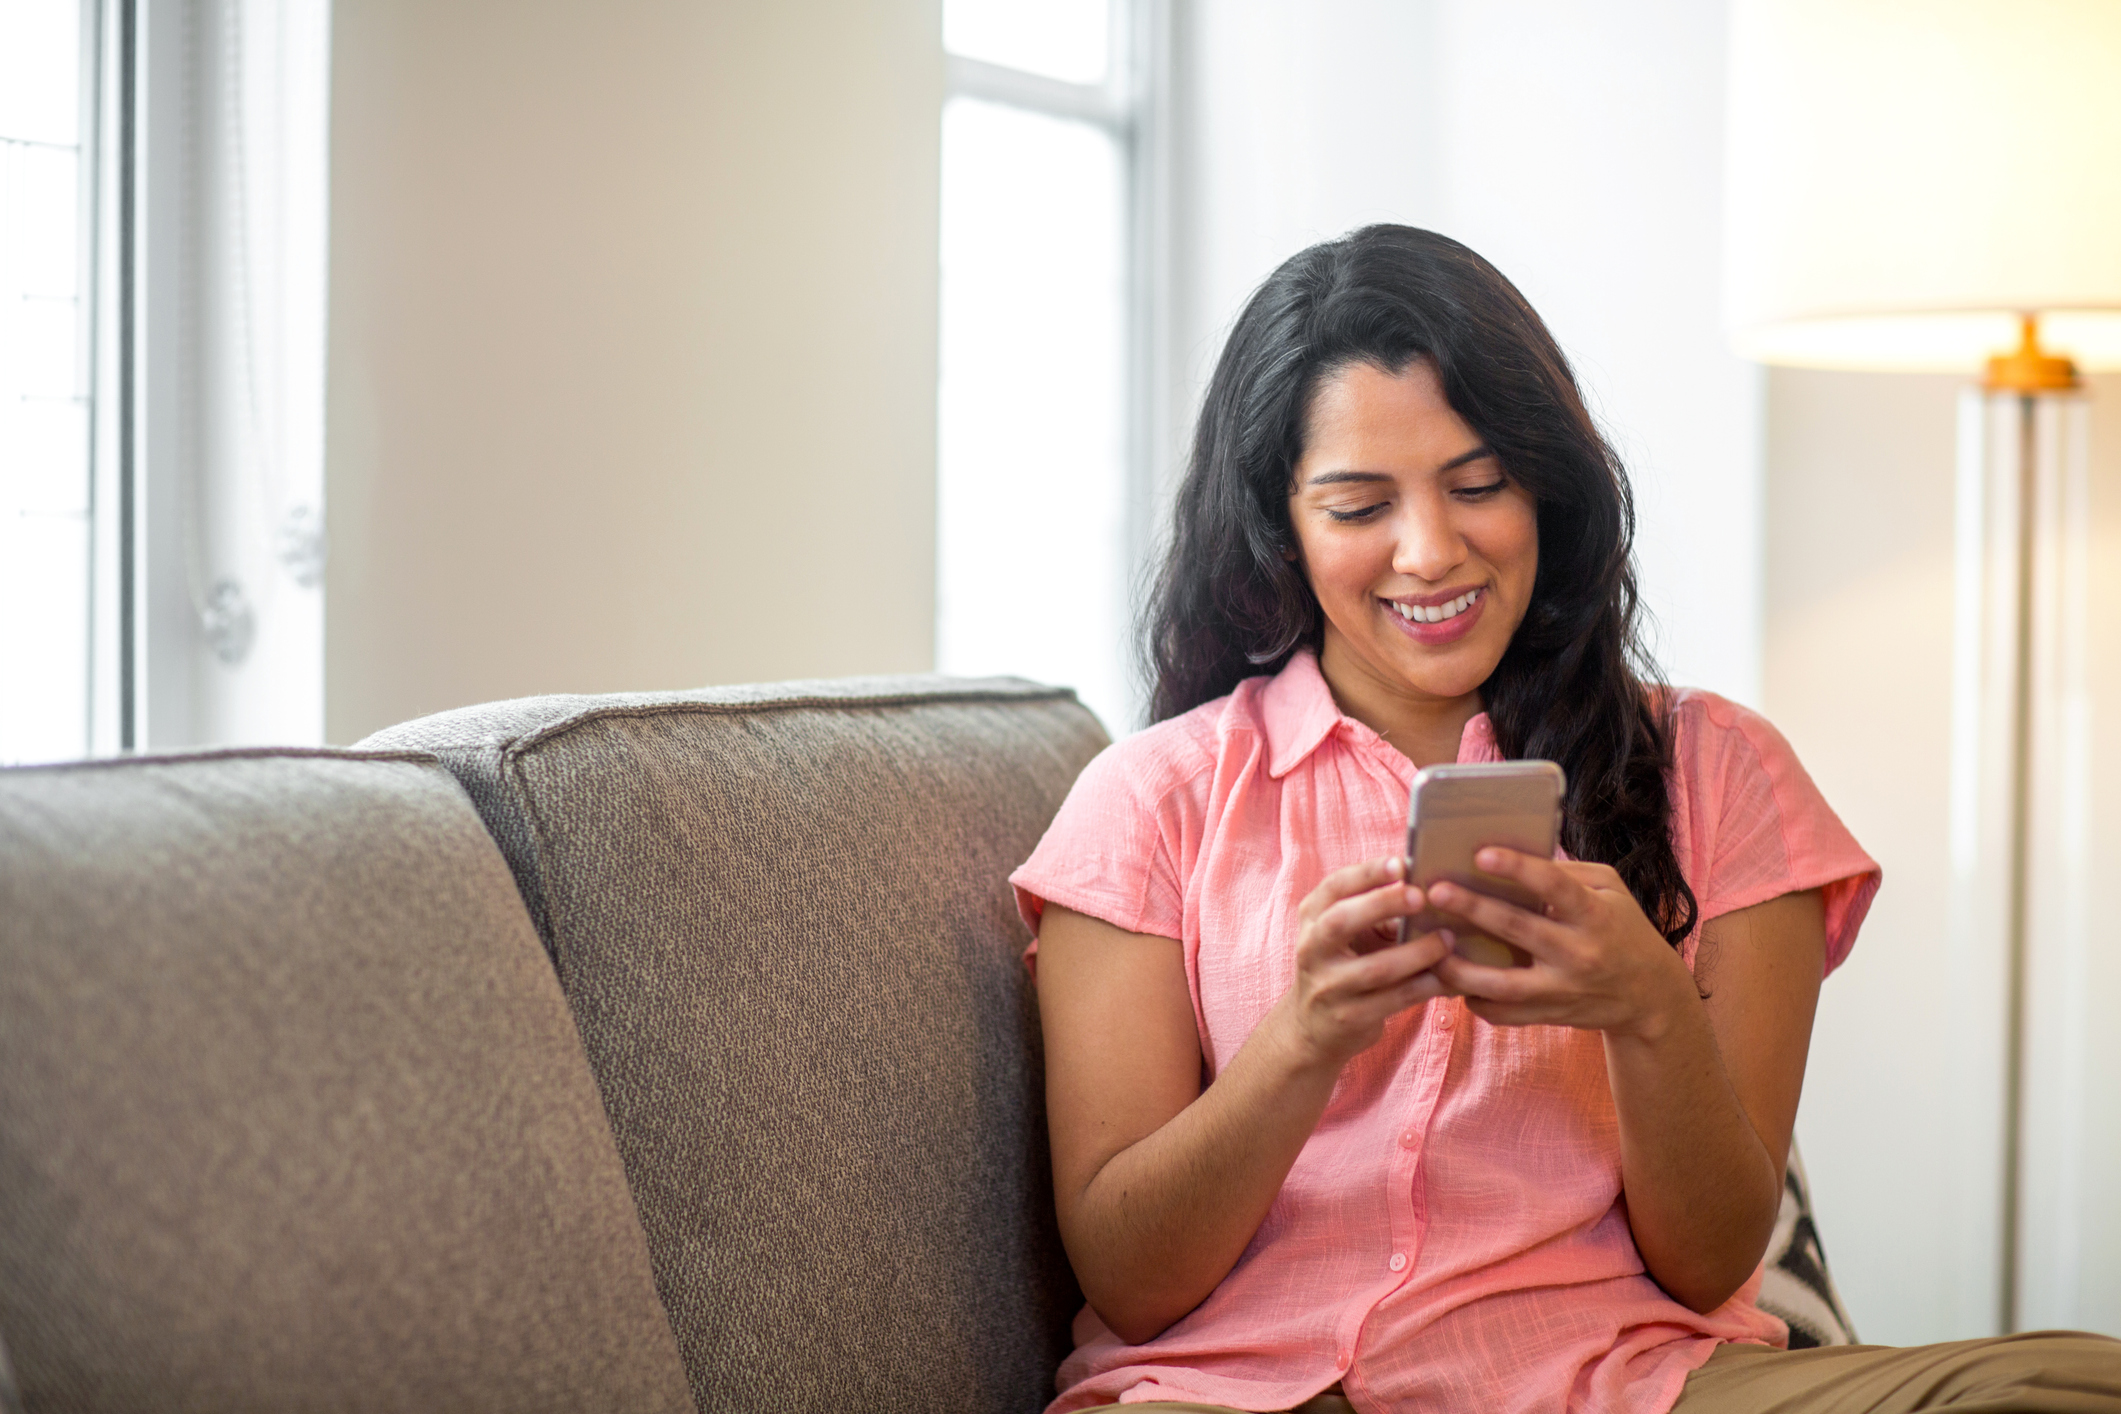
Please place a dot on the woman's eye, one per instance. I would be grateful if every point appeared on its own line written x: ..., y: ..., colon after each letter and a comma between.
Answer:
x: 1482, y: 492
x: 1350, y: 517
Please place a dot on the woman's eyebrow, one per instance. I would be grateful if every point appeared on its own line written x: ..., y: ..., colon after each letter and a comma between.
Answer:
x: 1331, y: 478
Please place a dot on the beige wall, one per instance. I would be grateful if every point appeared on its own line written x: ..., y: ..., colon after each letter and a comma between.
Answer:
x: 632, y: 357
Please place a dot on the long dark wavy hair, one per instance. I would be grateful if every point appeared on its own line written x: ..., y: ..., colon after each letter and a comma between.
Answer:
x: 1575, y: 685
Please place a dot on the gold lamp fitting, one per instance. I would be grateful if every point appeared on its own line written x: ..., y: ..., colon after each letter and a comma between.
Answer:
x: 2029, y: 369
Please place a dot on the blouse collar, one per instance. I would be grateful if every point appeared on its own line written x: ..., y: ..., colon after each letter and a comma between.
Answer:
x: 1298, y: 712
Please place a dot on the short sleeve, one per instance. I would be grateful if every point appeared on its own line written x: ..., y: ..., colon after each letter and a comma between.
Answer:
x: 1756, y: 826
x: 1112, y: 850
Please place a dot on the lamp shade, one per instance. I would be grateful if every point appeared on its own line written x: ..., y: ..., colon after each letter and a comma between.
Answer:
x: 1905, y: 177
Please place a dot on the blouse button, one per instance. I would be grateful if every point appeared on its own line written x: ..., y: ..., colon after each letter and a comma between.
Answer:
x: 1399, y: 1261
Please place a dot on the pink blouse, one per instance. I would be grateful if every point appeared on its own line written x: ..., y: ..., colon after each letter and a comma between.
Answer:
x: 1453, y: 1235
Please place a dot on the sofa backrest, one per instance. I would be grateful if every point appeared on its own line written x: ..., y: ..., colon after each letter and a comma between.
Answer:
x: 292, y: 1111
x: 781, y: 919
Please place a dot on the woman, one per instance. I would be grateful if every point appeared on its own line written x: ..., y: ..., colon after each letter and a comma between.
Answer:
x: 1297, y: 1161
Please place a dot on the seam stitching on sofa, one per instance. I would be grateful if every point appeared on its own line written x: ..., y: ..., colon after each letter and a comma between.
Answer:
x: 550, y: 730
x: 236, y: 753
x: 508, y: 782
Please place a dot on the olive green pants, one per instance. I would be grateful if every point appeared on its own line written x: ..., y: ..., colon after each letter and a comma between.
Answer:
x: 2039, y: 1372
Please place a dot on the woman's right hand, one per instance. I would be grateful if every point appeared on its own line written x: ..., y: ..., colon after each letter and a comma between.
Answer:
x: 1351, y: 972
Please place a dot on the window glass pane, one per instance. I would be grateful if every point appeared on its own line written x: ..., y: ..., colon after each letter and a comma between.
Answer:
x: 43, y: 638
x: 44, y: 499
x: 1063, y: 39
x: 1031, y: 486
x: 40, y: 70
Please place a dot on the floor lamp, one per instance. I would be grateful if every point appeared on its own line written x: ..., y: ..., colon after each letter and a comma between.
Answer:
x: 1935, y: 185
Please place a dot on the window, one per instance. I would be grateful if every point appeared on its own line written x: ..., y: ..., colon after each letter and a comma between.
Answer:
x: 162, y: 197
x: 1035, y: 401
x: 46, y: 524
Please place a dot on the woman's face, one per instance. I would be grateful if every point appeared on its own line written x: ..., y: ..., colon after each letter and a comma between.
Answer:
x: 1420, y: 548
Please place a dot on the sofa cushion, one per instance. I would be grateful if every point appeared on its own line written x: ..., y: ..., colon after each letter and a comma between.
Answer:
x: 292, y: 1112
x: 781, y: 917
x: 1794, y: 1282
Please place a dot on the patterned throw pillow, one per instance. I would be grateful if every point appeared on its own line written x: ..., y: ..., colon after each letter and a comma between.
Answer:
x: 1796, y: 1285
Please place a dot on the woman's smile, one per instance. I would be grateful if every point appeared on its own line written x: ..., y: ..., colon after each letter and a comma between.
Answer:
x: 1433, y: 620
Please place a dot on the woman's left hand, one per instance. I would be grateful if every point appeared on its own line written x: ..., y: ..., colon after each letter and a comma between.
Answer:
x: 1597, y: 961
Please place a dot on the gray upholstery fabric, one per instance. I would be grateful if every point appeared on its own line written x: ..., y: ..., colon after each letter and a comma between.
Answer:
x: 781, y: 919
x: 10, y: 1395
x: 292, y: 1114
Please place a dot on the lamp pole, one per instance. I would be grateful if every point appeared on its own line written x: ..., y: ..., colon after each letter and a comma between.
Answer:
x: 2030, y: 373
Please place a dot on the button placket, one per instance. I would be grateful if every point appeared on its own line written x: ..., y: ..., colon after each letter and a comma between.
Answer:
x: 1430, y: 1063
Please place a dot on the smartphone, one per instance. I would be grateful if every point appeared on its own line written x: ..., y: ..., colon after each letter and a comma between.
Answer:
x: 1457, y: 810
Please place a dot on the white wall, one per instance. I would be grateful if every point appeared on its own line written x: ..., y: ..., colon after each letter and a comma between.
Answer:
x: 1903, y: 1106
x: 632, y: 360
x: 1577, y: 147
x: 2070, y: 1240
x: 1903, y: 1151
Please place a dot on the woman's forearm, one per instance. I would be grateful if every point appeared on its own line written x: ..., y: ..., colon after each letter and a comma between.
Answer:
x: 1702, y: 1186
x: 1161, y: 1184
x: 1165, y: 1219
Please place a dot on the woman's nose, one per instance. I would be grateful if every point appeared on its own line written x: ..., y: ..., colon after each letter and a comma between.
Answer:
x: 1430, y: 546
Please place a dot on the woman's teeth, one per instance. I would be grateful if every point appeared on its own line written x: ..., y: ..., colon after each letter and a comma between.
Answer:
x: 1436, y: 614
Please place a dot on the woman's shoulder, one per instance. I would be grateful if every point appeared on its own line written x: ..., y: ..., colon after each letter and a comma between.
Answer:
x: 1754, y: 824
x: 1736, y: 776
x: 1168, y: 755
x: 1709, y: 729
x: 1700, y: 704
x: 1112, y: 851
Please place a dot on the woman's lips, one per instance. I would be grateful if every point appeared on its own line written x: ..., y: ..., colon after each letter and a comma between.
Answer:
x: 1449, y: 630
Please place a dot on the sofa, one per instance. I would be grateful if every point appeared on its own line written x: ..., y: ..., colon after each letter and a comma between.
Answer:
x: 648, y: 1052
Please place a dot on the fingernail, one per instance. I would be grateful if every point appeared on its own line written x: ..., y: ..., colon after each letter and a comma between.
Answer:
x: 1396, y: 866
x: 1450, y: 939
